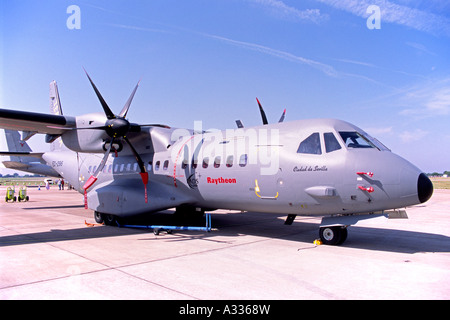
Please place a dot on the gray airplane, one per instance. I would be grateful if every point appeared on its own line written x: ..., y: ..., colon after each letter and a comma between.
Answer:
x: 32, y: 162
x: 323, y: 167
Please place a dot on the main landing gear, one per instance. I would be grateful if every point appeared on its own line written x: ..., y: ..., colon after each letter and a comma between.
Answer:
x: 108, y: 219
x: 333, y: 235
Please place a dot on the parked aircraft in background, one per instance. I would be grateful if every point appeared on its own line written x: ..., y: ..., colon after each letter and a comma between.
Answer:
x: 31, y: 163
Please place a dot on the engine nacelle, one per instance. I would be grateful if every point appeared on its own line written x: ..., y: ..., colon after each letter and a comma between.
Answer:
x: 86, y: 138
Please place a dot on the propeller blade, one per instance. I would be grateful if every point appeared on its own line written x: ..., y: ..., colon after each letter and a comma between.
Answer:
x: 108, y: 112
x: 239, y: 124
x: 263, y: 114
x: 143, y: 173
x: 136, y: 156
x: 92, y: 179
x: 124, y: 111
x: 105, y: 158
x: 282, y: 116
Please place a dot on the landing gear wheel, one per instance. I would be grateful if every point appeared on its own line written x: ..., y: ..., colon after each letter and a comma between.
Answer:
x: 156, y: 231
x: 333, y: 235
x: 109, y: 219
x: 344, y: 234
x: 98, y: 217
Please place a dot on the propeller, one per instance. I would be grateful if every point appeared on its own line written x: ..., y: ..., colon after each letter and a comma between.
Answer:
x: 117, y: 128
x: 282, y: 116
x: 263, y: 116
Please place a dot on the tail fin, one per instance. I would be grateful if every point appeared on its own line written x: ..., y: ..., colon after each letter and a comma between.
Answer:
x: 55, y: 102
x: 55, y: 108
x: 29, y: 162
x: 15, y: 144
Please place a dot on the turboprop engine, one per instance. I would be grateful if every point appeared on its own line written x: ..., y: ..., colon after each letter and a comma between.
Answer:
x: 83, y: 140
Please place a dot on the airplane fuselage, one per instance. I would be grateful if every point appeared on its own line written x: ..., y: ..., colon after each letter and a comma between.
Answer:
x: 322, y: 167
x: 306, y: 167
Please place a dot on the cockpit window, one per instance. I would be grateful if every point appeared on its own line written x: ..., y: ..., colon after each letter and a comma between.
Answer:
x: 331, y: 143
x: 356, y: 140
x: 378, y: 144
x: 311, y: 145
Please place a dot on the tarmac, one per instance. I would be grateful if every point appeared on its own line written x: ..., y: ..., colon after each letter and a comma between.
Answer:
x: 47, y: 251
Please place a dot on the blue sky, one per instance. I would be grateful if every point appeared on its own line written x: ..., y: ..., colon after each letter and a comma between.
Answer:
x: 209, y: 60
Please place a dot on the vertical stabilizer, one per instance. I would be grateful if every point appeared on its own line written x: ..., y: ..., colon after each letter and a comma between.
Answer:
x: 31, y: 163
x: 55, y: 108
x: 55, y: 102
x: 14, y: 144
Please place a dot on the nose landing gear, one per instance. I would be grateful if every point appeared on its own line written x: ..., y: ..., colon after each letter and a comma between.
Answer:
x: 333, y: 235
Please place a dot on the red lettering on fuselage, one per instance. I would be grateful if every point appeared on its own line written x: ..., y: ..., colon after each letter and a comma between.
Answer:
x: 220, y: 180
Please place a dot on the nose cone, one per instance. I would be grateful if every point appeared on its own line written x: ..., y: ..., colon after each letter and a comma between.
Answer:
x: 424, y: 188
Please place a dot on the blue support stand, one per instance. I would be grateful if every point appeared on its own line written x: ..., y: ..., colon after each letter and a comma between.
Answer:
x: 158, y: 228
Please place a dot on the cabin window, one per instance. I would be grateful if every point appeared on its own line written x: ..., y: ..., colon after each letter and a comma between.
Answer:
x: 331, y: 143
x: 355, y: 140
x: 149, y: 166
x: 243, y: 160
x: 229, y: 161
x: 205, y: 162
x: 166, y: 165
x: 184, y: 164
x: 217, y: 162
x: 157, y: 165
x: 310, y: 145
x: 194, y: 164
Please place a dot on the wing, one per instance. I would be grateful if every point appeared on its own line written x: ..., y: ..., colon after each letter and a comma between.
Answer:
x: 21, y: 154
x: 35, y: 122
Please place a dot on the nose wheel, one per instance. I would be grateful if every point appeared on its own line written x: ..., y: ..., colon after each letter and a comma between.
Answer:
x: 333, y: 235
